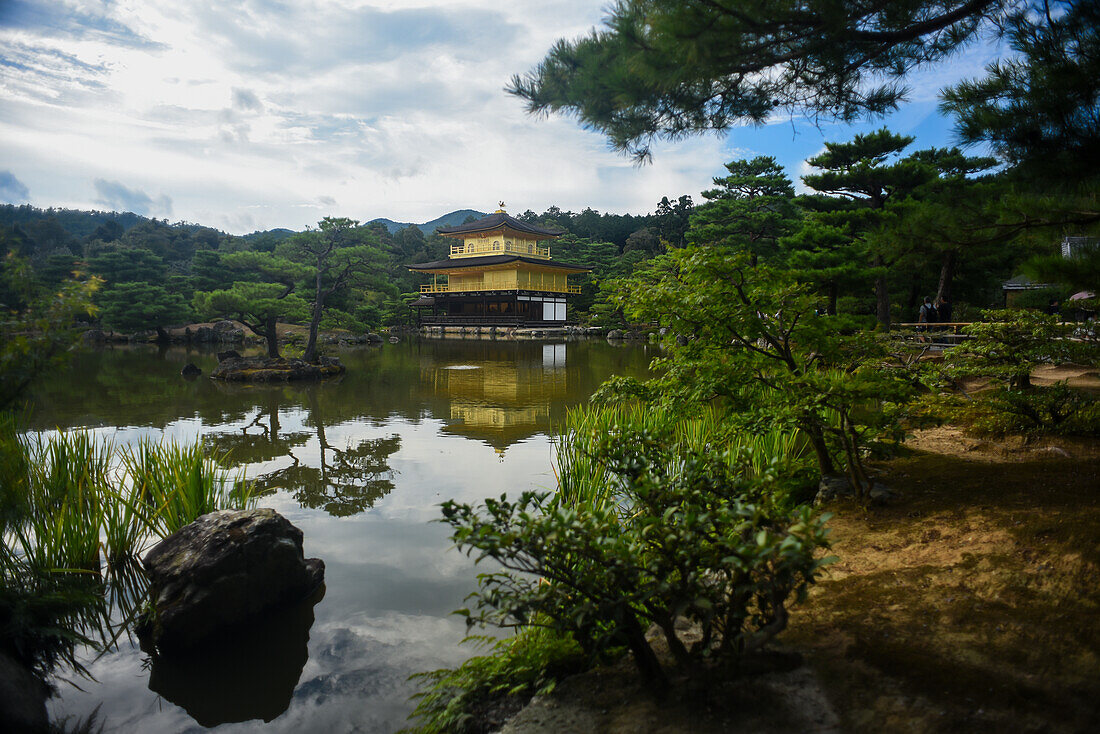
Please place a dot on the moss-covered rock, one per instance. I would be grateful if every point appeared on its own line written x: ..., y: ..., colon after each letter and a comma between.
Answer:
x: 270, y: 369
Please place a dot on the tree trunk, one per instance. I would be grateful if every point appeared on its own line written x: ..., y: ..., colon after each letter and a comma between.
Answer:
x: 273, y: 421
x: 947, y: 275
x: 833, y: 290
x: 271, y: 333
x: 821, y: 450
x: 912, y: 300
x: 322, y: 439
x: 882, y: 294
x: 644, y: 658
x: 315, y: 322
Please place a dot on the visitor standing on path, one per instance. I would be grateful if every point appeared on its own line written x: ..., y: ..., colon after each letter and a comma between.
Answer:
x: 943, y: 311
x: 943, y: 316
x: 927, y: 315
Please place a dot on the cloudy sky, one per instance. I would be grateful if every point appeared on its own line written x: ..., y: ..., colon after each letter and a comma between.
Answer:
x: 264, y: 113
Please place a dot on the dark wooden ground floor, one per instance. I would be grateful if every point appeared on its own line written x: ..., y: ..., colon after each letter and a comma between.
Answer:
x: 511, y: 308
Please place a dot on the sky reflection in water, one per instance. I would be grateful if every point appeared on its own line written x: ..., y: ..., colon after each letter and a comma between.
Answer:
x: 360, y: 465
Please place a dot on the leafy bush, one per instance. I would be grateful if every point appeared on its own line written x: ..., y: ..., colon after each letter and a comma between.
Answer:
x: 477, y: 695
x: 1011, y: 343
x: 1007, y: 348
x: 683, y: 541
x: 1058, y: 409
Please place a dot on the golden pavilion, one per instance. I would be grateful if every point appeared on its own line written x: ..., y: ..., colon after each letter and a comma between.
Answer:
x: 500, y: 273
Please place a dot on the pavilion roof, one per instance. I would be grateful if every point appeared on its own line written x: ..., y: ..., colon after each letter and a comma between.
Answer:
x: 499, y: 220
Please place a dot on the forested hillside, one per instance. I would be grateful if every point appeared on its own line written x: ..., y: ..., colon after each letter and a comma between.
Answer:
x: 152, y: 271
x: 883, y: 227
x: 447, y: 220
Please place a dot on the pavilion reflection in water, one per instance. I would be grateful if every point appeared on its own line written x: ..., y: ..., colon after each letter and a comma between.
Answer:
x: 504, y: 395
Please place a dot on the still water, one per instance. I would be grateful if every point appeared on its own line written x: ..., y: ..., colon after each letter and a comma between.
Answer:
x: 360, y: 464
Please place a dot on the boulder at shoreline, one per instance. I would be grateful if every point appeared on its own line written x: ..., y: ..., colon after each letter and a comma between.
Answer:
x: 221, y: 570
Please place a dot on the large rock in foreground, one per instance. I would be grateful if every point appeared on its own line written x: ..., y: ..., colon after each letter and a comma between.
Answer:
x: 270, y: 369
x: 221, y: 570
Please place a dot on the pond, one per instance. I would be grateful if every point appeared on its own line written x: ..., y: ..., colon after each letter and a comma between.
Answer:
x: 360, y: 464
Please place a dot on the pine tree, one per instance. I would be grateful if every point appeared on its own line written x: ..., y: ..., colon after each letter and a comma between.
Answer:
x: 670, y: 68
x: 869, y: 173
x: 748, y: 211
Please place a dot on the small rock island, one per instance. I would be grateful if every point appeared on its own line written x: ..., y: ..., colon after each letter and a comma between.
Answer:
x: 276, y: 369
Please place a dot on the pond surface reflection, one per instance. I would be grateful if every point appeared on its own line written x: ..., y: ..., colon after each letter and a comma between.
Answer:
x: 360, y: 464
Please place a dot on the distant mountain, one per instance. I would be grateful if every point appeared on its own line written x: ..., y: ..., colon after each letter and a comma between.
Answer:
x: 278, y: 234
x: 447, y: 220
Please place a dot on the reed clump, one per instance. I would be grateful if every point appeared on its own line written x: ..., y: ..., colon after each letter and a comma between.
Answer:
x: 779, y: 457
x: 75, y: 515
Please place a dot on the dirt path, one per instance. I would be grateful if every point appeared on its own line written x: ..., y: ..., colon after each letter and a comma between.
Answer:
x: 972, y: 604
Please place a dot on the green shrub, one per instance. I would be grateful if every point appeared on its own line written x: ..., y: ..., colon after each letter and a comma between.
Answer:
x: 1011, y: 343
x: 1007, y: 348
x: 478, y: 694
x: 682, y: 540
x: 1055, y: 410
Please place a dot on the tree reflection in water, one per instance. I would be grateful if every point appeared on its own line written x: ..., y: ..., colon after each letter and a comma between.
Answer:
x: 348, y: 481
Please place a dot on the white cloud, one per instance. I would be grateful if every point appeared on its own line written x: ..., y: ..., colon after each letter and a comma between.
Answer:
x: 251, y: 115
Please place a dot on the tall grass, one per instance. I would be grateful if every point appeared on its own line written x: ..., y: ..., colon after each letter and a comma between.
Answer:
x: 172, y: 485
x: 75, y: 515
x: 584, y: 481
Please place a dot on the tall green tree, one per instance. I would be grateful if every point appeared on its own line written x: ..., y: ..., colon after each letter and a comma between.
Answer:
x: 127, y: 265
x: 1039, y: 109
x: 208, y: 273
x: 339, y: 255
x: 674, y: 218
x: 868, y: 172
x: 823, y: 252
x: 1080, y: 271
x: 748, y: 334
x: 749, y: 210
x: 948, y: 223
x: 137, y: 293
x: 135, y: 306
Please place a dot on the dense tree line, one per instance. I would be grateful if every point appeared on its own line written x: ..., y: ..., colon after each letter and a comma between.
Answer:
x: 157, y: 274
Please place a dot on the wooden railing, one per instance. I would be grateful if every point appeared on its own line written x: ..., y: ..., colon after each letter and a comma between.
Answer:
x: 491, y: 248
x: 448, y: 288
x: 956, y: 326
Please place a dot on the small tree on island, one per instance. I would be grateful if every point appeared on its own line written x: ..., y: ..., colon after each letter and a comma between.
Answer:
x: 260, y: 303
x: 338, y: 255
